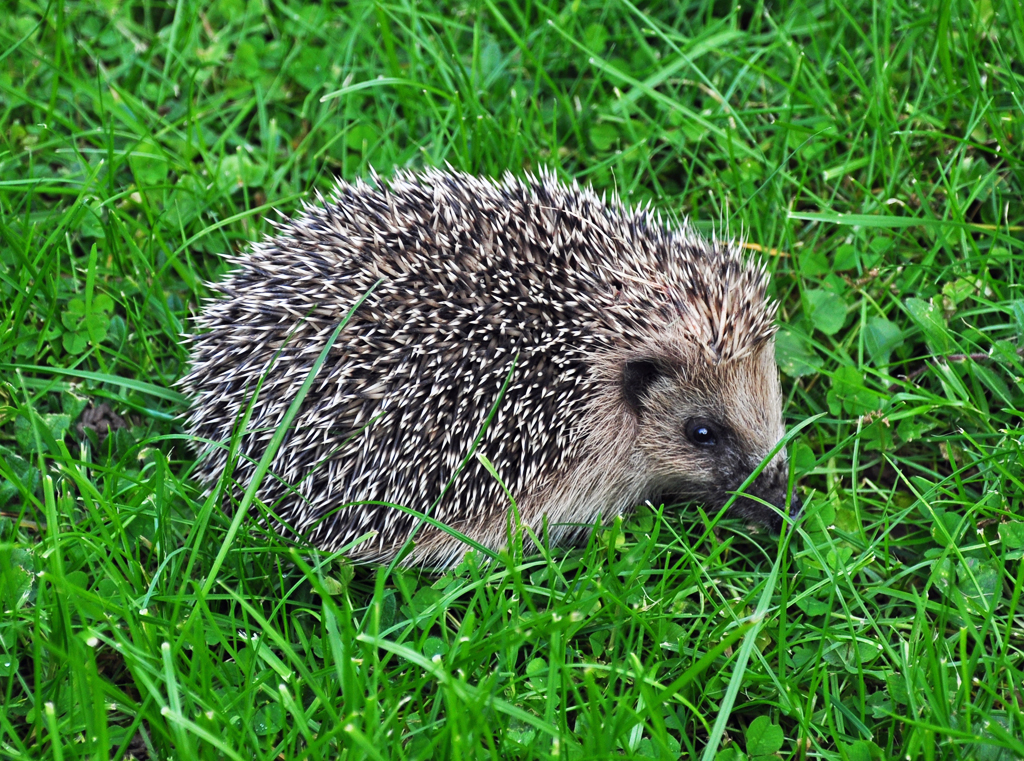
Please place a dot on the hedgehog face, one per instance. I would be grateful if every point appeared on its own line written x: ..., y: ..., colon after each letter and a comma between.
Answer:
x: 702, y: 429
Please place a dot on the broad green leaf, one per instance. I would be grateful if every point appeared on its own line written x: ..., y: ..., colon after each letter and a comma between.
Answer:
x: 17, y: 577
x: 947, y: 525
x: 763, y: 737
x: 74, y: 342
x: 268, y: 720
x: 332, y: 586
x: 825, y: 309
x: 845, y: 258
x: 8, y: 663
x: 848, y: 393
x: 730, y: 753
x: 814, y: 263
x: 929, y: 318
x: 72, y: 404
x: 311, y: 68
x: 838, y: 557
x: 1012, y: 535
x: 898, y: 689
x: 91, y: 223
x: 943, y: 575
x: 980, y: 583
x: 847, y: 380
x: 238, y: 170
x: 813, y: 607
x: 960, y: 290
x: 603, y: 136
x: 56, y: 424
x: 116, y: 330
x: 881, y: 337
x: 802, y: 458
x: 148, y: 164
x: 793, y: 356
x: 95, y: 324
x: 1018, y: 316
x: 361, y: 137
x: 595, y: 37
x: 861, y: 750
x: 851, y: 655
x: 536, y: 667
x: 434, y: 646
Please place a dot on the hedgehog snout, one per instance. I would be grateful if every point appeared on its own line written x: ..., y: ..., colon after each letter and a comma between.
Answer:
x: 770, y: 487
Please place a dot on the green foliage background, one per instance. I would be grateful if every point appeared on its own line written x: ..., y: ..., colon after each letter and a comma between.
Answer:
x: 871, y: 152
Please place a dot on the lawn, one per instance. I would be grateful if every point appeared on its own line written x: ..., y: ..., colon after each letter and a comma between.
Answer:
x: 870, y: 153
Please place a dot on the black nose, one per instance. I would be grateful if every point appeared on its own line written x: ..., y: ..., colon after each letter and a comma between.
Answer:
x: 796, y: 505
x: 769, y: 488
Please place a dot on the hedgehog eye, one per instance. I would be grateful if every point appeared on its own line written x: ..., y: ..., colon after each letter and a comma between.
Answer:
x: 637, y: 377
x: 701, y: 433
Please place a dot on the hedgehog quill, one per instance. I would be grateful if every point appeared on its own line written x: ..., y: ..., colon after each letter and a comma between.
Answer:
x: 644, y: 365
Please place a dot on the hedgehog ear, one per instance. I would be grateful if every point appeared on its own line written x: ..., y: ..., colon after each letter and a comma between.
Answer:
x: 637, y: 378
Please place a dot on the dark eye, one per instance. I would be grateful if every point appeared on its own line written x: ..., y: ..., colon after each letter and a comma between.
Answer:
x: 701, y: 433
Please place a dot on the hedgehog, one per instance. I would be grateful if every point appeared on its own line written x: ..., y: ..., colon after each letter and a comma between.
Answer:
x: 595, y: 356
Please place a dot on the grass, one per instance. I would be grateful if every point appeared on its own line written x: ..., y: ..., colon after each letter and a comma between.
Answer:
x: 870, y: 151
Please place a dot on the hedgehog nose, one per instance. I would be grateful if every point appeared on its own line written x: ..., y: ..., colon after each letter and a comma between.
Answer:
x: 796, y: 505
